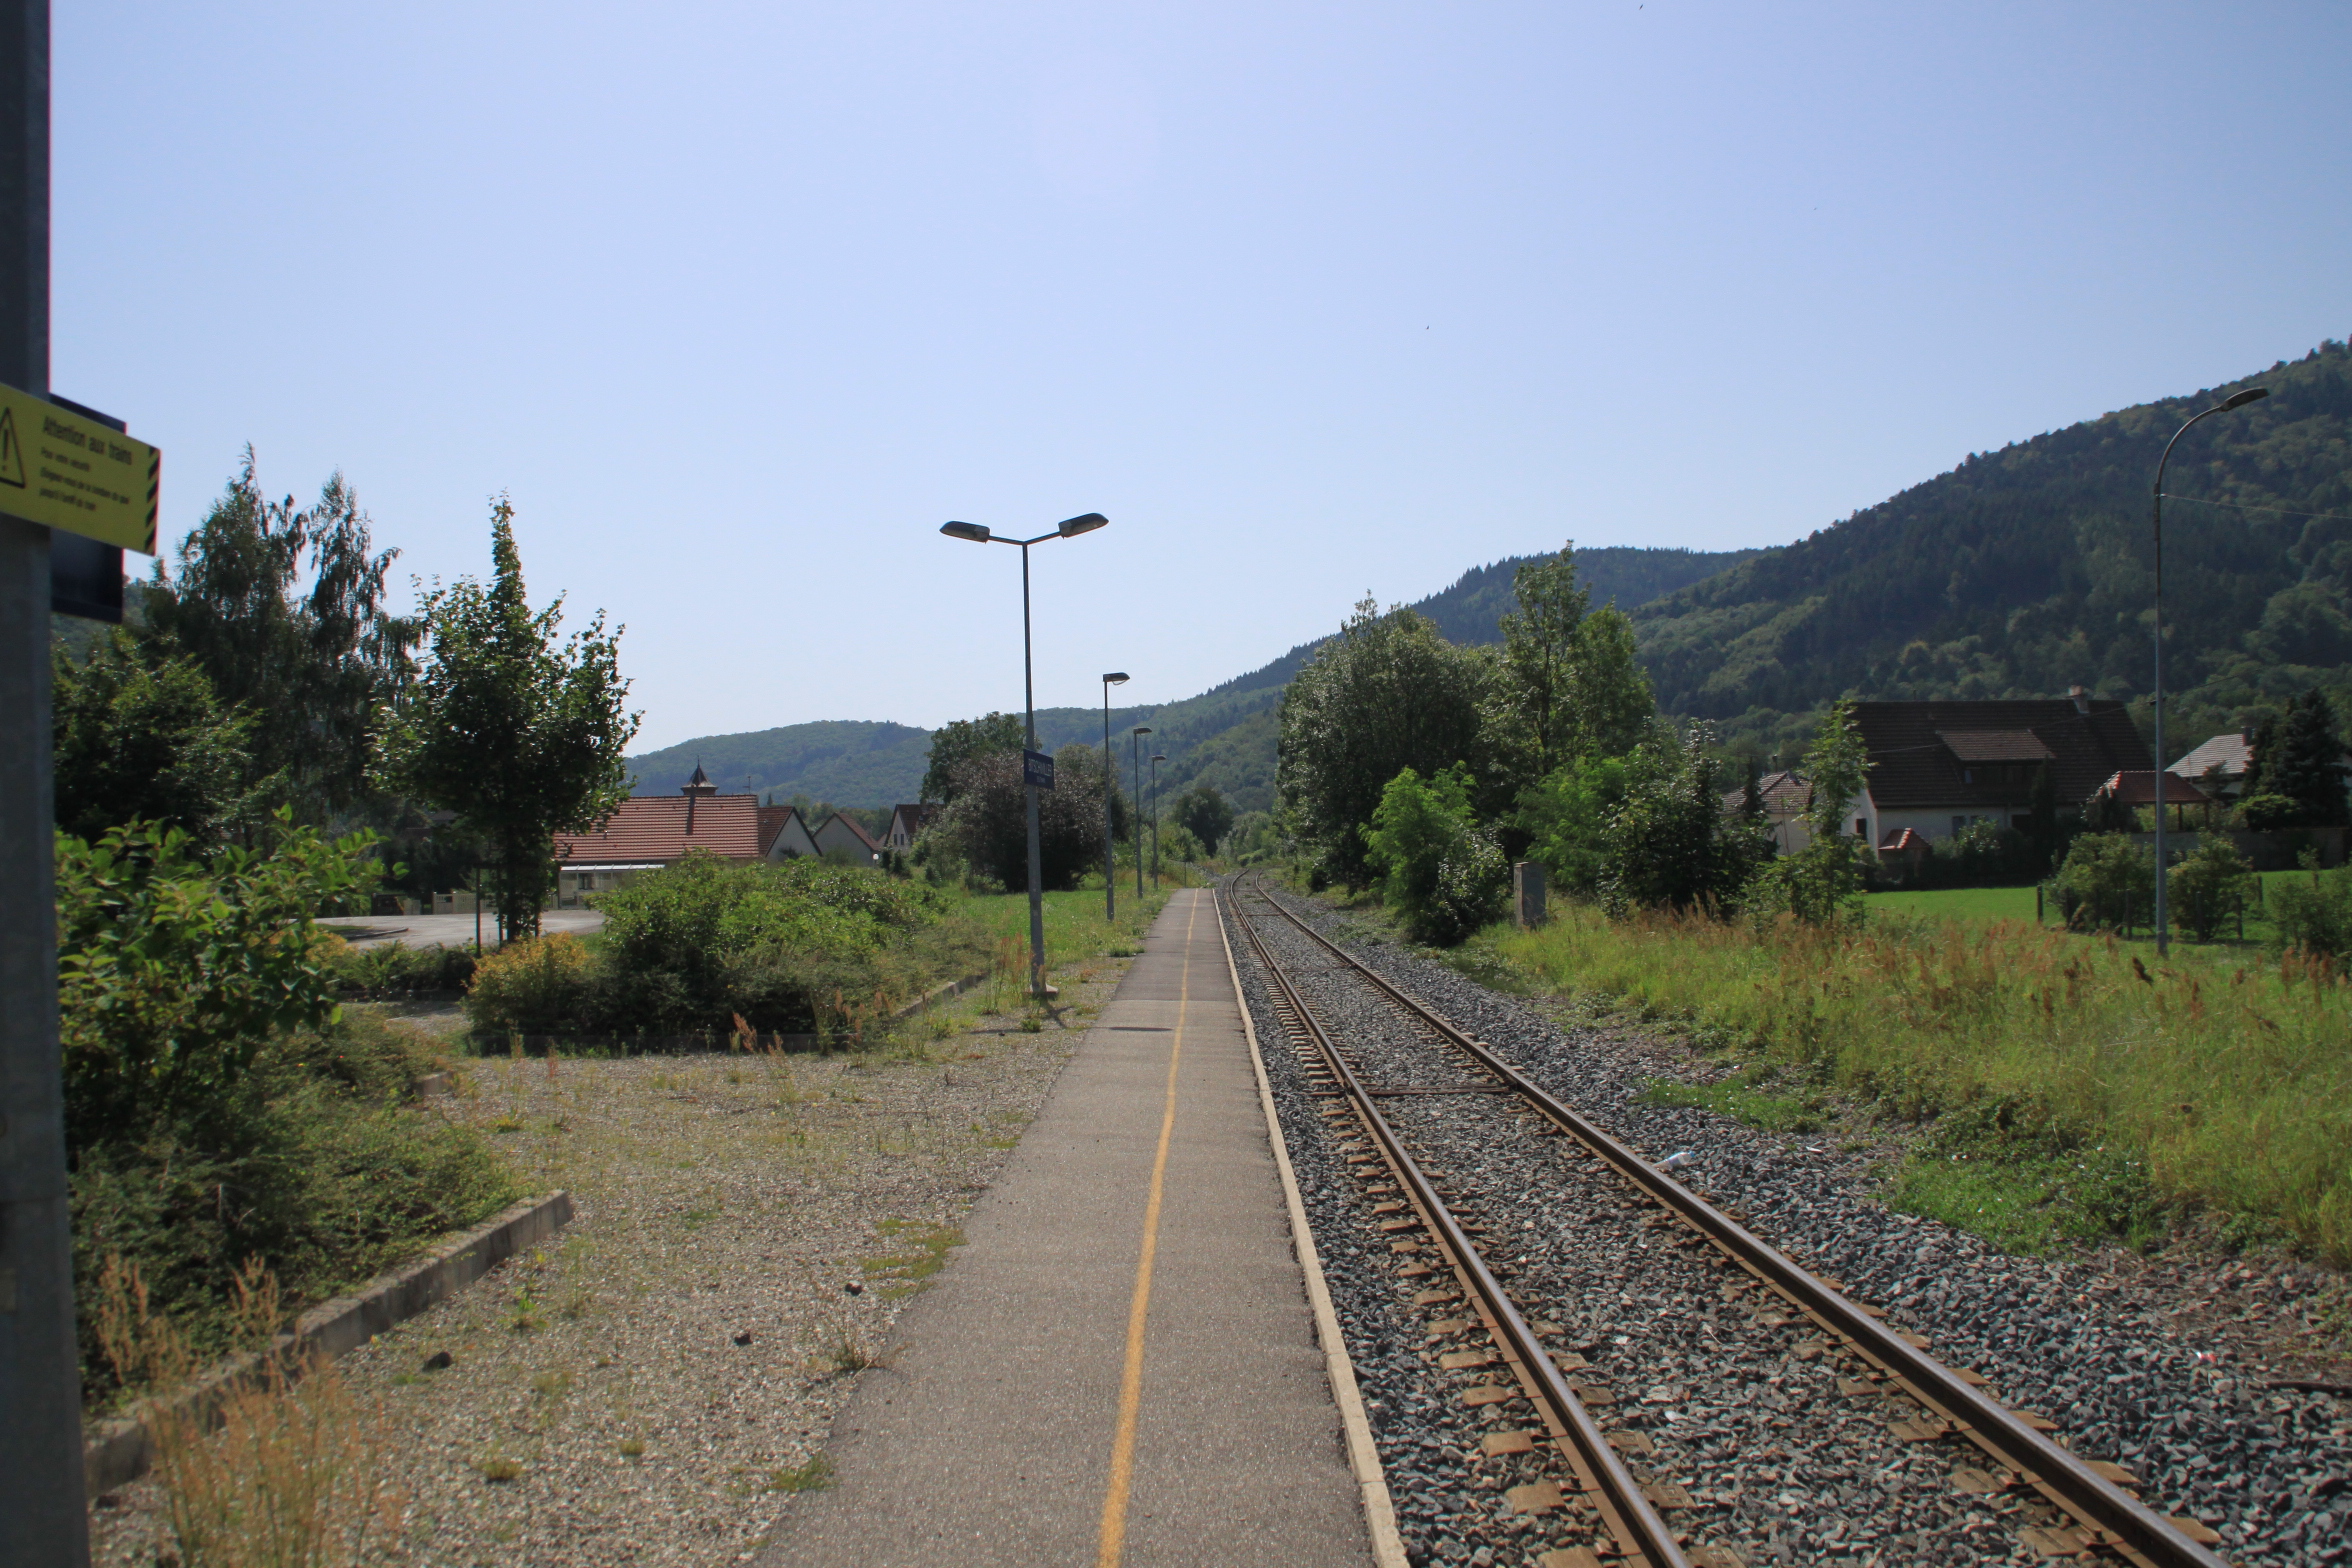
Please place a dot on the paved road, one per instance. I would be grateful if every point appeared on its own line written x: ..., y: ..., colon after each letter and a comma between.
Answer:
x: 995, y: 1433
x: 448, y: 930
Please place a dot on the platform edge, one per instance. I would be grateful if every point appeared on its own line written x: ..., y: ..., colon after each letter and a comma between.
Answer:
x: 1388, y: 1547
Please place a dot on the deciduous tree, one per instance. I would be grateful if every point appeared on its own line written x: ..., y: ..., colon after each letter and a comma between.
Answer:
x: 144, y: 739
x: 1388, y: 693
x: 519, y: 736
x: 959, y: 741
x: 282, y: 609
x: 1205, y: 813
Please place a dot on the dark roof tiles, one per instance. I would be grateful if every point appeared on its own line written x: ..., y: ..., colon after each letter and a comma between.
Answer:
x: 1912, y: 765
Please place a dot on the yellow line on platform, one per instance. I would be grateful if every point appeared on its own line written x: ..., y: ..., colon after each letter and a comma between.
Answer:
x: 1114, y: 1514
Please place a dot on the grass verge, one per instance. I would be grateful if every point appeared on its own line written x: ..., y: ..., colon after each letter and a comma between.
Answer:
x: 2092, y: 1087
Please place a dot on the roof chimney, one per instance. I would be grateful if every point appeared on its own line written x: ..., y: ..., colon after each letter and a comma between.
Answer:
x: 700, y: 784
x: 2082, y: 698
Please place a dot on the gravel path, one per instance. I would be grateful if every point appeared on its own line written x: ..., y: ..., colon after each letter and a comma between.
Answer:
x: 1774, y: 1436
x: 660, y: 1377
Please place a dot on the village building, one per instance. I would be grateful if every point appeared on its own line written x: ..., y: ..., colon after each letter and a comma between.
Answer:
x: 840, y: 837
x: 1786, y: 800
x: 2137, y: 787
x: 1937, y: 767
x: 783, y: 835
x: 906, y: 825
x: 650, y: 832
x: 2219, y: 765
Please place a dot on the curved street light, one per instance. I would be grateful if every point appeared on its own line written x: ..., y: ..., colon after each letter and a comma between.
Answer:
x: 2156, y: 706
x: 1110, y: 793
x: 1069, y: 528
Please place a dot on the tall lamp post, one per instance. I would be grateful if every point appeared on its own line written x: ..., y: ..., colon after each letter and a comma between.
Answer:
x: 1071, y: 528
x: 1158, y: 757
x: 1135, y: 766
x: 2156, y: 705
x: 1110, y: 793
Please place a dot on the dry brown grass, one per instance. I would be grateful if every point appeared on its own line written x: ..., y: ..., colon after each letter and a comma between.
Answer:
x: 275, y: 1471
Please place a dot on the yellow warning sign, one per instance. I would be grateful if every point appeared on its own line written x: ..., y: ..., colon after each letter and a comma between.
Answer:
x: 67, y: 471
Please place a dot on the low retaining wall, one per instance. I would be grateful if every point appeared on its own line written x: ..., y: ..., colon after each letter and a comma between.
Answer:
x: 121, y: 1450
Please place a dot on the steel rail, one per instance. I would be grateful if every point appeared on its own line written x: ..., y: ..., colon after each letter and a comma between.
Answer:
x: 2121, y: 1521
x: 1642, y: 1536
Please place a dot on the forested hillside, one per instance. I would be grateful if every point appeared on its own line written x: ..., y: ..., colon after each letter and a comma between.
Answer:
x: 1224, y: 736
x: 2027, y: 570
x: 2019, y: 573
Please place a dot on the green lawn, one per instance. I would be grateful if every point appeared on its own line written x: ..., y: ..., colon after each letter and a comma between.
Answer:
x: 1986, y: 905
x: 1075, y: 931
x: 1957, y: 903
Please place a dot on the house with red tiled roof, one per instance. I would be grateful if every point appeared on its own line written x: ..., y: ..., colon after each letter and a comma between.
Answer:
x: 784, y: 835
x: 907, y: 824
x: 2136, y: 787
x: 653, y: 831
x: 1936, y: 767
x: 843, y: 838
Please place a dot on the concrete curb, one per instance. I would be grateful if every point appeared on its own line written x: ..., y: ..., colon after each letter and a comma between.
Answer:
x: 121, y: 1450
x: 1388, y: 1548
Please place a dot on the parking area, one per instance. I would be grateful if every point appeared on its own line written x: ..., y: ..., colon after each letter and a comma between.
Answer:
x: 449, y: 930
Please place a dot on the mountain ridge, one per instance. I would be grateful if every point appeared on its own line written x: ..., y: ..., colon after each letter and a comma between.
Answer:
x: 1224, y: 735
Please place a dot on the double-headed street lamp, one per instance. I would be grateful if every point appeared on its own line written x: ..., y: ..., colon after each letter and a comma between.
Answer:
x: 1071, y: 528
x: 2156, y: 705
x: 1110, y: 793
x: 1158, y: 757
x: 1135, y: 764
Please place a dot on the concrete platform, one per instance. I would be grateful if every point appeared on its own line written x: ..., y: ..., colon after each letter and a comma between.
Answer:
x: 1043, y: 1407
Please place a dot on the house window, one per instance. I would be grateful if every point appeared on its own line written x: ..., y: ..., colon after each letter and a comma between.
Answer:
x: 1959, y: 823
x: 1968, y: 775
x: 1861, y: 827
x: 587, y: 881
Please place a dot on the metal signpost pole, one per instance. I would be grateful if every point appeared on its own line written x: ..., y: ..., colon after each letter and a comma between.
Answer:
x: 1157, y: 759
x: 42, y: 1519
x: 1070, y: 528
x: 1135, y: 764
x: 1036, y: 866
x: 2156, y: 701
x: 1110, y: 792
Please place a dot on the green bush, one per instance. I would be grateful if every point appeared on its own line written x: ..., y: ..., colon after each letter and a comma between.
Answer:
x: 2268, y: 813
x: 2208, y: 889
x: 800, y: 947
x: 389, y: 969
x: 2108, y: 879
x: 1436, y: 865
x: 538, y: 985
x: 2313, y: 914
x: 1566, y: 816
x: 311, y: 1163
x: 172, y: 972
x: 219, y: 1106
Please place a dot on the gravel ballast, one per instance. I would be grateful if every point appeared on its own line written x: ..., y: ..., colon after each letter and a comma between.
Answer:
x: 1782, y: 1448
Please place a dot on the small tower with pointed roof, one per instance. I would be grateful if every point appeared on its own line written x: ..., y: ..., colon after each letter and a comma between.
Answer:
x: 697, y: 788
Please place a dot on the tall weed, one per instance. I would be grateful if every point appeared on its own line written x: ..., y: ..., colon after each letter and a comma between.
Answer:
x: 287, y: 1480
x: 2236, y: 1086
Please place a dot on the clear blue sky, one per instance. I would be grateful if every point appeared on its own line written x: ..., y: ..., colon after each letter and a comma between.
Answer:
x: 740, y: 301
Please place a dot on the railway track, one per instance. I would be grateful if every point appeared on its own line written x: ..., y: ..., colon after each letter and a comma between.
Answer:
x: 1617, y: 1432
